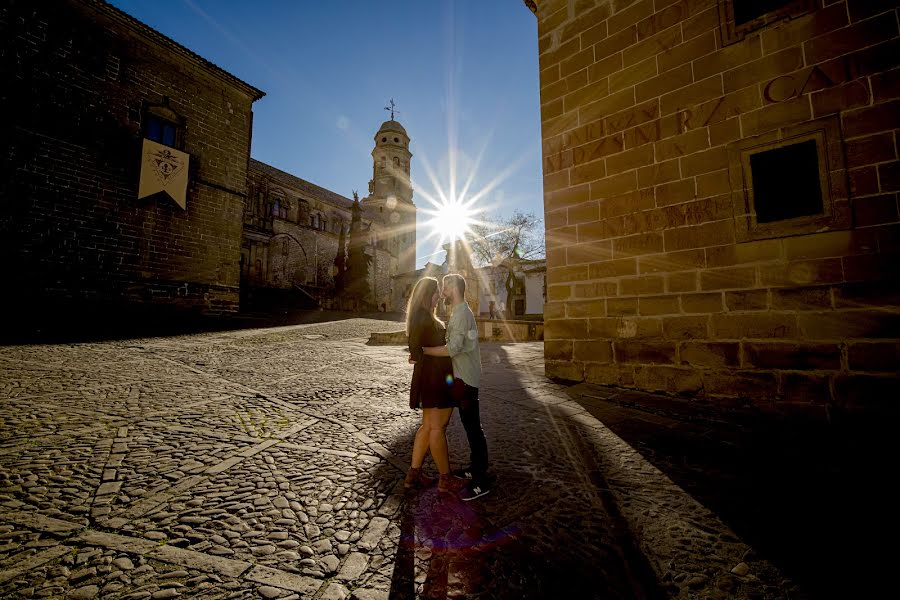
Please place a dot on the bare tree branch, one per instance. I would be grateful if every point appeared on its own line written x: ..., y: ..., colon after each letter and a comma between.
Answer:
x: 506, y: 242
x: 504, y: 239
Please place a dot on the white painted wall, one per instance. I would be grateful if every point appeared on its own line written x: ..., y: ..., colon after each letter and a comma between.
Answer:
x: 534, y: 293
x: 534, y: 290
x: 485, y: 295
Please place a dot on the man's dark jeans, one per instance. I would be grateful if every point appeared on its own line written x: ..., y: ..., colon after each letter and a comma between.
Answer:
x: 470, y: 416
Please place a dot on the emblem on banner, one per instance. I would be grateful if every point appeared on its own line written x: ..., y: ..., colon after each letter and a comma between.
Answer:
x: 164, y: 169
x: 166, y: 165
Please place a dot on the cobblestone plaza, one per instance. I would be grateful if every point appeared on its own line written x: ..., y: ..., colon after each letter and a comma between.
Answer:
x: 268, y: 463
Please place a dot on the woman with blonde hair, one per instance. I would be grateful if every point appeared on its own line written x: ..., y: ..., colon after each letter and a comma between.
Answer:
x: 431, y: 385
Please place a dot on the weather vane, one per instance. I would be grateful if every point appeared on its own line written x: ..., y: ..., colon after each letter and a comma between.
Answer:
x: 391, y: 108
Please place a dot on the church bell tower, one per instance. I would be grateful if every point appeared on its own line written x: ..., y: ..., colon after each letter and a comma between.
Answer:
x: 390, y: 192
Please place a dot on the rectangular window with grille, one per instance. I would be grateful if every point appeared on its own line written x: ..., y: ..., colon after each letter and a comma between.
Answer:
x: 748, y: 10
x: 786, y: 182
x: 741, y: 17
x: 789, y: 181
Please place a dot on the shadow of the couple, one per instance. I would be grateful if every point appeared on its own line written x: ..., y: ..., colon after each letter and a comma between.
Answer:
x: 546, y: 530
x: 450, y: 540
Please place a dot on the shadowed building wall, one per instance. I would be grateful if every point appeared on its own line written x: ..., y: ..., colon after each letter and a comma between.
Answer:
x: 82, y: 84
x: 291, y: 231
x: 720, y: 191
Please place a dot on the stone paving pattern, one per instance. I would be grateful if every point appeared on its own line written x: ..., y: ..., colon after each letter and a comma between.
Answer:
x: 268, y: 463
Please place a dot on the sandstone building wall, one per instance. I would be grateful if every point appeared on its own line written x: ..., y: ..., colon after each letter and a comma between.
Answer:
x: 666, y: 125
x: 79, y: 79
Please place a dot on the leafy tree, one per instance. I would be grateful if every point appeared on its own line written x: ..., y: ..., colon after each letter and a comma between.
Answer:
x: 357, y: 279
x: 506, y: 242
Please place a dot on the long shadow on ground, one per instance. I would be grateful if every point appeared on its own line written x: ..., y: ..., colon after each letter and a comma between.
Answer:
x: 811, y: 497
x: 545, y: 531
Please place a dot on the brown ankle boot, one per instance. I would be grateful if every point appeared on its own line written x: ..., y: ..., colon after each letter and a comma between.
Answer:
x: 449, y: 484
x: 415, y: 478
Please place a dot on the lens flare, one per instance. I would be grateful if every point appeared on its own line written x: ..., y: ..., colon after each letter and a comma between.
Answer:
x: 453, y: 219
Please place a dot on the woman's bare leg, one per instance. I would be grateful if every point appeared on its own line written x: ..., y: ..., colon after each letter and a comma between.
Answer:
x: 437, y: 437
x: 420, y: 445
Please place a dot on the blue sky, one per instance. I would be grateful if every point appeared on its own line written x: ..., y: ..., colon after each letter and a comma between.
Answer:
x: 463, y: 73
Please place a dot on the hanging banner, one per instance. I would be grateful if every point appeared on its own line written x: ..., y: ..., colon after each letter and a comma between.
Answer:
x: 164, y: 169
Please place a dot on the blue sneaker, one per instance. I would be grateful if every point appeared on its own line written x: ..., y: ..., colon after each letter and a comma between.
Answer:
x: 474, y: 490
x: 464, y: 473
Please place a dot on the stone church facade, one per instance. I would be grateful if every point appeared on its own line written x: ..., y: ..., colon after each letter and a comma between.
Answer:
x: 292, y: 227
x: 721, y: 181
x: 291, y: 230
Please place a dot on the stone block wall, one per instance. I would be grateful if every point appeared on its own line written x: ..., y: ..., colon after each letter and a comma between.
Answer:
x: 381, y: 271
x: 294, y: 251
x: 79, y: 76
x: 663, y: 274
x: 309, y: 250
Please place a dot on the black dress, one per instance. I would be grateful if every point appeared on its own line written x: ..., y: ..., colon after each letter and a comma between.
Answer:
x: 432, y: 380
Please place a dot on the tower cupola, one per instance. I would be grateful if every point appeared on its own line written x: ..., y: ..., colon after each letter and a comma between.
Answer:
x: 390, y: 163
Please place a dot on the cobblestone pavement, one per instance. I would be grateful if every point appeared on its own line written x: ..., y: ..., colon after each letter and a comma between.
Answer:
x: 268, y: 463
x: 766, y: 477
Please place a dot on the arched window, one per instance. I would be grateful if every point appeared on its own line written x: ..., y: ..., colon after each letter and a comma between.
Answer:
x: 161, y: 131
x: 257, y: 202
x: 324, y: 224
x: 397, y: 162
x: 302, y: 211
x: 163, y: 125
x: 278, y: 204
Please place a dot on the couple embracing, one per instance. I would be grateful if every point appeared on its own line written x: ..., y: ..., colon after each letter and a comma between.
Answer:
x: 446, y: 375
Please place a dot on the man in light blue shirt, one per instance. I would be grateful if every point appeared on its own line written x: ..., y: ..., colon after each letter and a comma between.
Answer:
x: 463, y: 349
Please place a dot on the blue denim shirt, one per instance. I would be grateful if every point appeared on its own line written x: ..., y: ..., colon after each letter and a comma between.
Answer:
x: 462, y: 345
